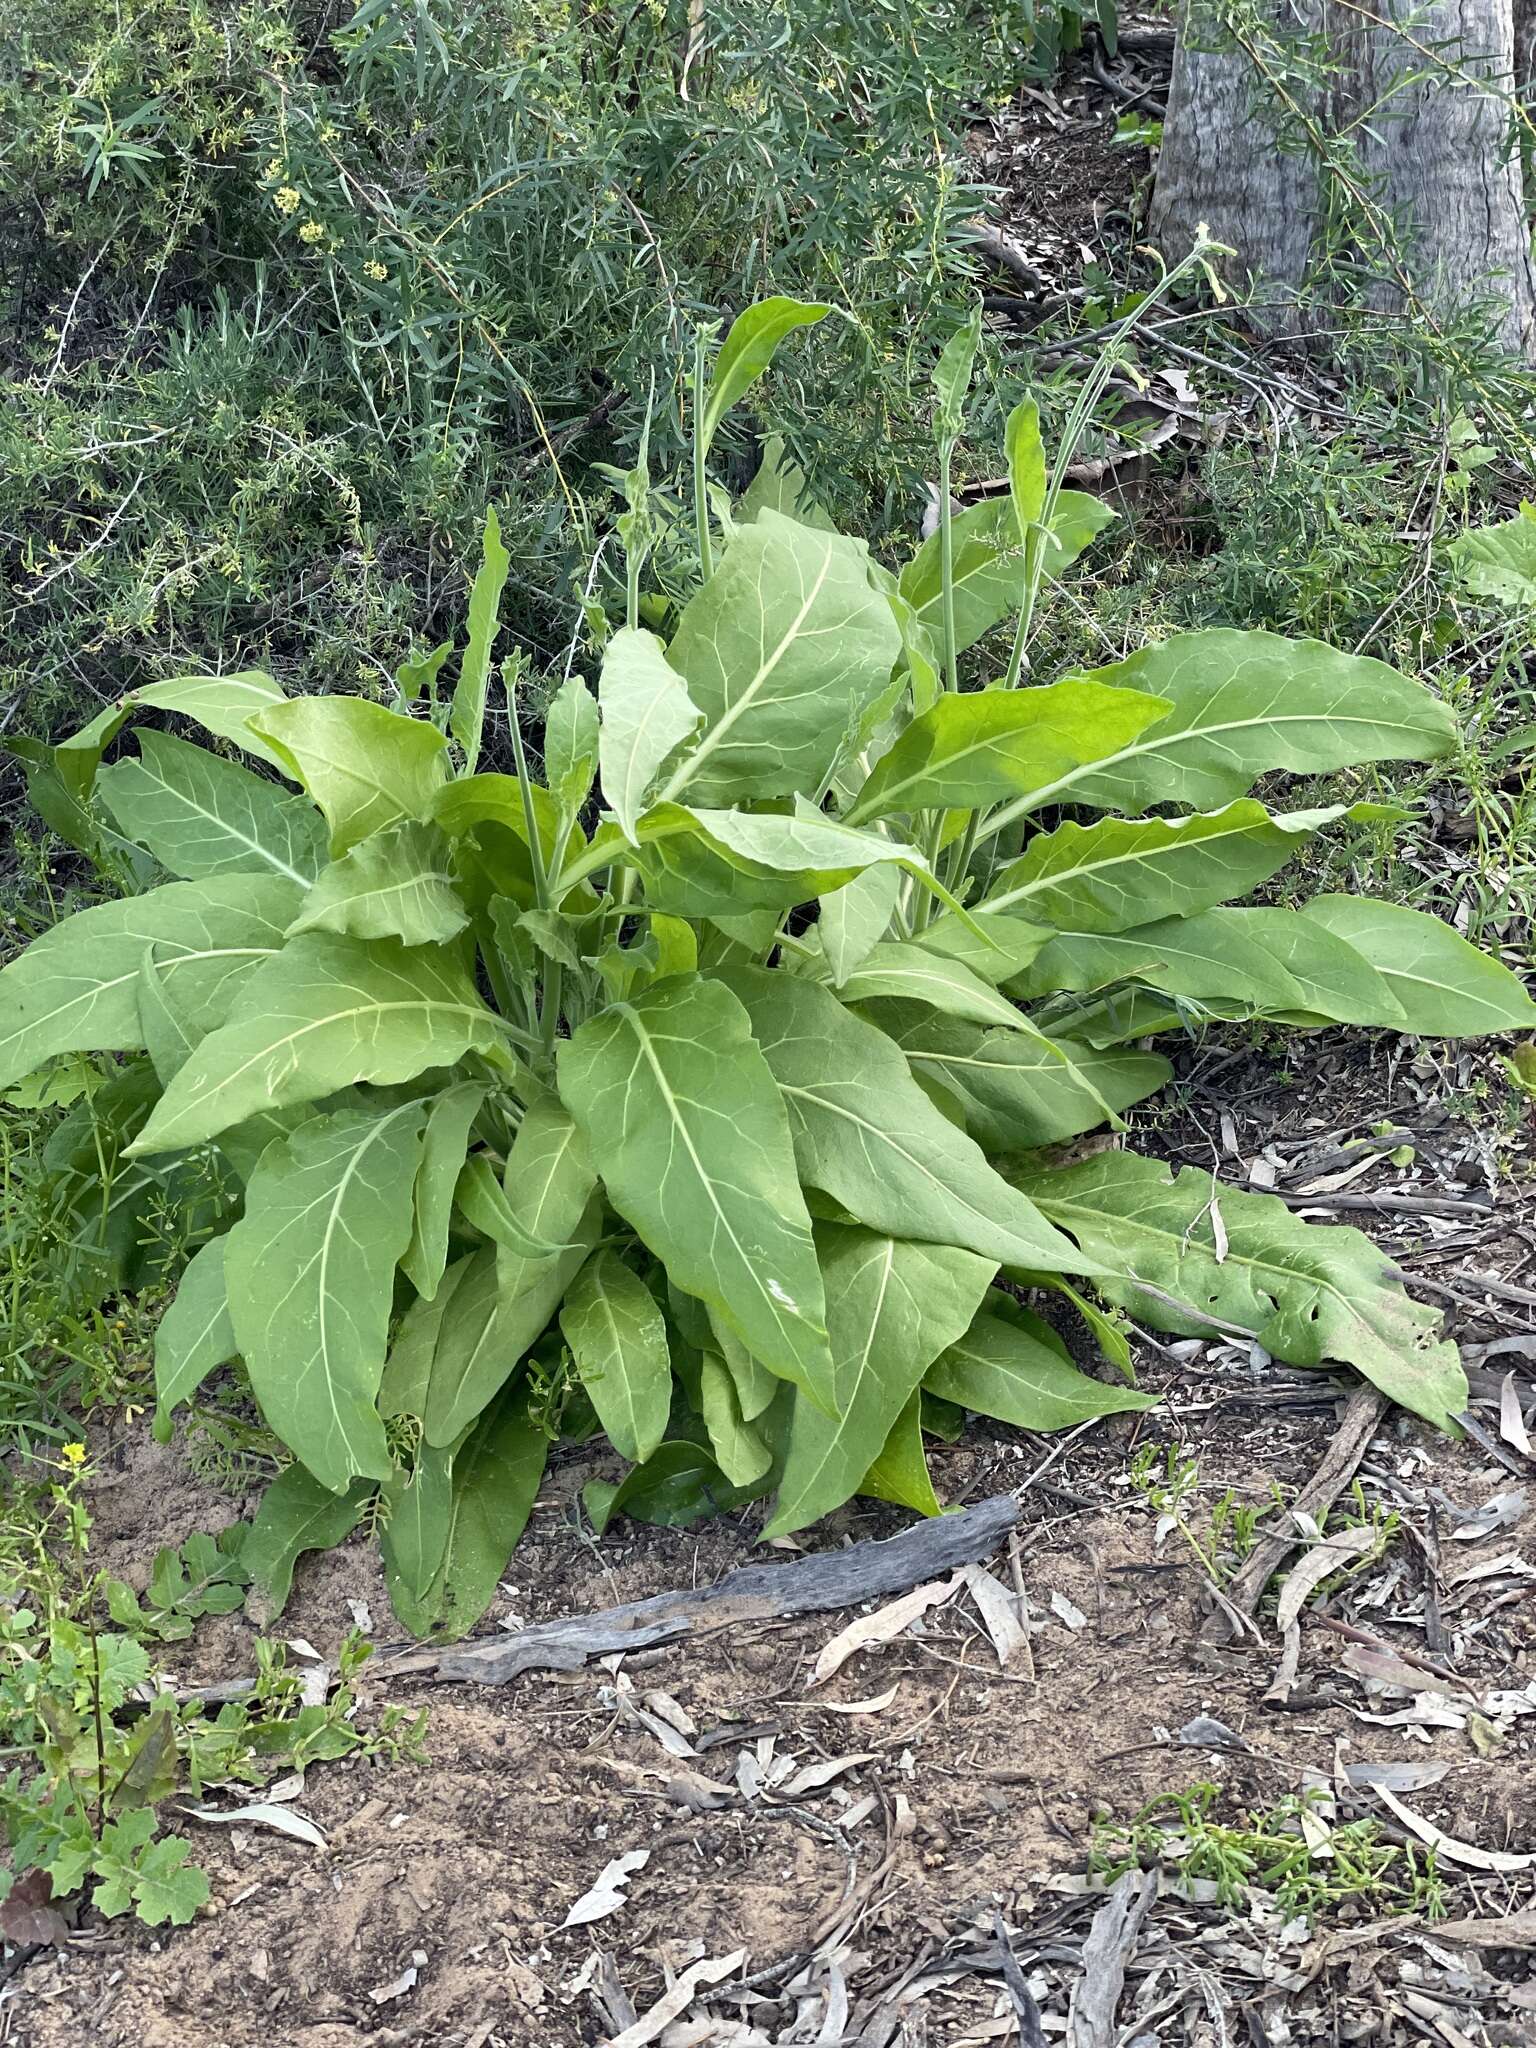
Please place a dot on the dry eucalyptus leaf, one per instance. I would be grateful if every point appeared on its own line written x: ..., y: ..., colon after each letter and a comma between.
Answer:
x: 1315, y: 1565
x: 876, y: 1704
x: 608, y: 1894
x: 674, y: 2003
x: 1368, y: 1776
x: 281, y: 1819
x: 1064, y: 1610
x: 1467, y: 1854
x: 1502, y: 1512
x: 815, y: 1776
x: 1511, y: 1420
x: 884, y: 1624
x: 999, y: 1611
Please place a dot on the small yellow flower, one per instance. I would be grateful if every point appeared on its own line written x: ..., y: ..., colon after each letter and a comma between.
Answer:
x: 312, y: 231
x: 286, y: 199
x: 73, y: 1455
x: 376, y: 271
x: 273, y: 170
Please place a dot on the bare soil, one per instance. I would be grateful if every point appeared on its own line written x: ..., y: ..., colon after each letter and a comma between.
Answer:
x: 434, y: 1914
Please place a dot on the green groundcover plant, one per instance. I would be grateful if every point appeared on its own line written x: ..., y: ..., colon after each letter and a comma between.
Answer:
x: 701, y: 1091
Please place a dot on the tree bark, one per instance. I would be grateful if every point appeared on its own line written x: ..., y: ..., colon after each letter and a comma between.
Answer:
x: 1414, y: 119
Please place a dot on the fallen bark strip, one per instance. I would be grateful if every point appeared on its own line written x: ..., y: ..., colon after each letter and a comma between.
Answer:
x: 1362, y: 1411
x: 754, y: 1592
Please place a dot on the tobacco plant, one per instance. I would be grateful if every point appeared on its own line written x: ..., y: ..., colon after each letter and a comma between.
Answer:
x: 702, y: 1088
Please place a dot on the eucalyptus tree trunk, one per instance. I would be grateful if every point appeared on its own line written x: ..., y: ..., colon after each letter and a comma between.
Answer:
x: 1379, y: 132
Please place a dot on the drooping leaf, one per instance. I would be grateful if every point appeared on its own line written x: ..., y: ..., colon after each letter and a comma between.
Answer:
x: 364, y: 766
x: 309, y: 1269
x: 1245, y: 704
x: 467, y: 717
x: 444, y: 1143
x: 485, y: 1206
x: 76, y: 989
x: 414, y: 1539
x: 508, y: 1299
x: 999, y: 1368
x: 991, y: 944
x: 900, y: 1473
x: 297, y: 1514
x: 1308, y: 1292
x: 200, y: 815
x: 722, y: 864
x: 986, y: 745
x: 748, y: 350
x: 1019, y: 1092
x: 1122, y: 872
x: 856, y: 916
x: 220, y: 704
x: 1444, y: 987
x: 618, y: 1338
x: 682, y: 1118
x: 892, y: 1307
x: 571, y: 743
x: 396, y: 884
x: 194, y: 1336
x: 739, y: 1449
x: 783, y: 651
x: 867, y: 1135
x: 473, y: 1524
x: 408, y: 1368
x: 908, y: 971
x: 322, y: 1014
x: 647, y: 714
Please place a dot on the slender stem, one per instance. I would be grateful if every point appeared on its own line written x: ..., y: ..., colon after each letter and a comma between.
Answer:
x: 700, y: 477
x: 947, y: 567
x: 530, y: 819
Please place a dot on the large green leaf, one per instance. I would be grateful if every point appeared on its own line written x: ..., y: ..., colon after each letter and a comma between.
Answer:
x: 364, y: 766
x: 892, y: 1307
x: 999, y: 1368
x: 466, y: 719
x: 1122, y: 872
x: 219, y: 704
x: 856, y: 917
x: 1245, y: 704
x: 1307, y: 1292
x: 990, y: 562
x: 396, y: 884
x: 297, y: 1514
x: 310, y: 1267
x: 908, y: 971
x: 748, y: 350
x: 784, y: 650
x: 323, y: 1013
x: 647, y: 714
x: 76, y: 989
x: 738, y: 1446
x: 683, y: 1120
x: 508, y: 1298
x: 1019, y: 1092
x: 618, y: 1338
x: 200, y: 815
x: 721, y: 864
x: 1444, y: 987
x: 677, y: 1486
x: 457, y: 1534
x: 195, y: 1335
x: 900, y: 1473
x: 978, y: 748
x: 866, y: 1134
x: 1499, y: 561
x: 442, y: 1156
x: 408, y: 1368
x: 485, y: 1206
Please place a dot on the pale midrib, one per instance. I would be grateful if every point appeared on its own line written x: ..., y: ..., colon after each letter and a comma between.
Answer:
x: 102, y: 988
x: 293, y: 1038
x: 686, y: 770
x: 229, y: 830
x: 1171, y: 848
x: 359, y: 1153
x: 705, y: 1180
x: 1022, y: 806
x: 835, y: 1440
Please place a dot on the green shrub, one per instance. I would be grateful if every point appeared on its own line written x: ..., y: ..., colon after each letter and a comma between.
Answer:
x: 686, y: 1092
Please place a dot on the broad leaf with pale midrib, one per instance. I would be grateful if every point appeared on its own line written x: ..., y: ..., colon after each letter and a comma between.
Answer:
x: 999, y: 1369
x: 866, y: 1133
x: 682, y: 1118
x: 200, y: 815
x: 76, y: 989
x: 308, y: 1269
x: 321, y: 1014
x: 1308, y: 1292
